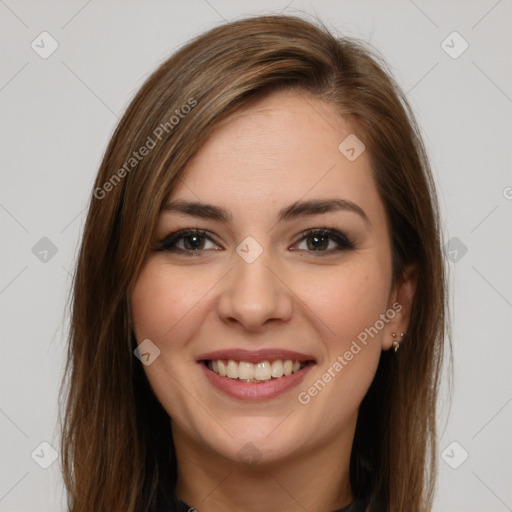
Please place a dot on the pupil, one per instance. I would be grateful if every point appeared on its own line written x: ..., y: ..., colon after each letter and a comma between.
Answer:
x: 317, y: 241
x: 194, y: 241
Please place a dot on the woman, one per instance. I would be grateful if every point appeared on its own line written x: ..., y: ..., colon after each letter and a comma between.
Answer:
x: 259, y: 304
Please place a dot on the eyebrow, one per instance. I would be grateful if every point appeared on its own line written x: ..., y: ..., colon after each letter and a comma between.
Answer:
x: 293, y: 211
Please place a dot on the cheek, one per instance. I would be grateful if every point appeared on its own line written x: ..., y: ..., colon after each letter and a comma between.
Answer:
x: 347, y: 301
x: 161, y: 299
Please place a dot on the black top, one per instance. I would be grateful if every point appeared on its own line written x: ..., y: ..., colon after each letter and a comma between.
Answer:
x: 355, y: 506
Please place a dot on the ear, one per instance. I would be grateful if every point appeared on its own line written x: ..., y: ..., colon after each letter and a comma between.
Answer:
x: 400, y: 302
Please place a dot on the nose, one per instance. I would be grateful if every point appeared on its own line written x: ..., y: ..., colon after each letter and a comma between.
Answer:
x: 253, y: 294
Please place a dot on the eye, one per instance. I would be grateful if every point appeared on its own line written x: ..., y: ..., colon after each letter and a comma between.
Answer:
x: 186, y: 241
x: 193, y: 241
x: 320, y: 240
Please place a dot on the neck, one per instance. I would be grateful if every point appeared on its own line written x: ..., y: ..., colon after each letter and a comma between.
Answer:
x: 315, y: 480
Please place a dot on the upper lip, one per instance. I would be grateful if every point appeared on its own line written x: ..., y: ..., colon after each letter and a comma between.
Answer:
x: 255, y: 356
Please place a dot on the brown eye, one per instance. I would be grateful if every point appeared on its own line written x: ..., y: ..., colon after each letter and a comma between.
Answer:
x: 320, y: 240
x: 186, y: 241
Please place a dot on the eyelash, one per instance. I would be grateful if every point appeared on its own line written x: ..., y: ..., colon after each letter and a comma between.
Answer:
x: 344, y: 242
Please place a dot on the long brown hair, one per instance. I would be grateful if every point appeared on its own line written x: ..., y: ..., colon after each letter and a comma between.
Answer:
x: 117, y: 446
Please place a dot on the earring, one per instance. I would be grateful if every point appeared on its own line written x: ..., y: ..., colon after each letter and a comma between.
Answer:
x: 396, y: 343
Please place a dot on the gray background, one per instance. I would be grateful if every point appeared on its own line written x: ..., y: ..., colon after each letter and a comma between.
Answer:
x: 58, y: 113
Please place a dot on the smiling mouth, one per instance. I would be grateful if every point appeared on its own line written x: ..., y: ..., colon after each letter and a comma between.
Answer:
x: 264, y: 371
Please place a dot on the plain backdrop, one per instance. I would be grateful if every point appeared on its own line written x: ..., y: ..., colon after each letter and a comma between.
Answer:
x: 58, y: 112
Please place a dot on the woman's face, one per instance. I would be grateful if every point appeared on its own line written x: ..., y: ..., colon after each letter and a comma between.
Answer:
x: 254, y: 287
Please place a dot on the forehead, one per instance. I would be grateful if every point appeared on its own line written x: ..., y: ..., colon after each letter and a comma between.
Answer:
x: 282, y: 149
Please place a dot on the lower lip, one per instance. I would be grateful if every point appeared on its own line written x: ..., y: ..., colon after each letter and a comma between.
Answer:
x: 253, y: 390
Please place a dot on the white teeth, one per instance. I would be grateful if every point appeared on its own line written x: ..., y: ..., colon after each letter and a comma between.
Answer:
x: 277, y: 369
x: 260, y: 372
x: 245, y: 371
x: 232, y: 369
x: 222, y: 368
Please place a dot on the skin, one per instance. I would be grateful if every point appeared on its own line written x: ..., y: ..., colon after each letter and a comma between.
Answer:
x: 282, y: 149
